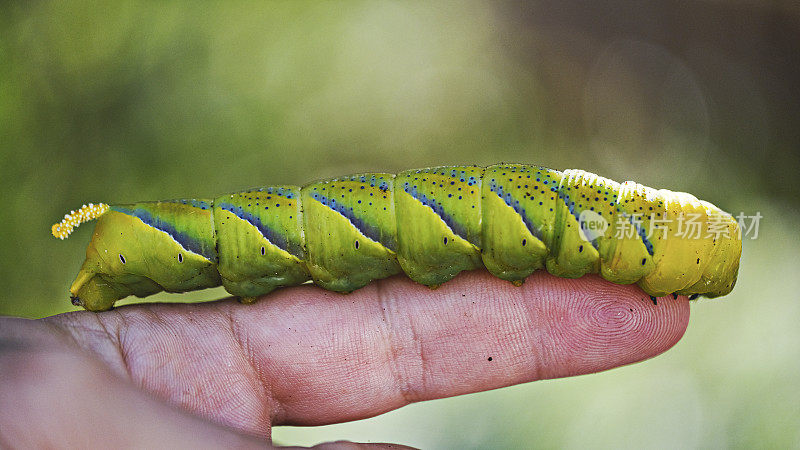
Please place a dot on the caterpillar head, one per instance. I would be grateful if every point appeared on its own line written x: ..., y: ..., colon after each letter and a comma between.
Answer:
x: 141, y: 249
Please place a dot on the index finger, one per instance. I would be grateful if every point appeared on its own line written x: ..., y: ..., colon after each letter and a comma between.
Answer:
x: 304, y: 356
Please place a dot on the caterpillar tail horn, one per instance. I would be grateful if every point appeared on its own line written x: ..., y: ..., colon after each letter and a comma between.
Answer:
x: 72, y: 220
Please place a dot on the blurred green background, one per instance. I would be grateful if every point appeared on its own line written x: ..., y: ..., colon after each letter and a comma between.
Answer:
x: 135, y: 100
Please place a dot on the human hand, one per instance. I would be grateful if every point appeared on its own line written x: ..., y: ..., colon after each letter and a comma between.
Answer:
x: 222, y: 373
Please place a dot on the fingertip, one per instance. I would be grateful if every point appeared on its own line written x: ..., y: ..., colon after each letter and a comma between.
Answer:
x: 596, y: 325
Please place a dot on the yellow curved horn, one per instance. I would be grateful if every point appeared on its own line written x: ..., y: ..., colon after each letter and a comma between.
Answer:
x: 71, y: 221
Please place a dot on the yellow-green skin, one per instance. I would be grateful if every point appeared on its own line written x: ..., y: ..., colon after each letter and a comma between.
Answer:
x: 429, y: 223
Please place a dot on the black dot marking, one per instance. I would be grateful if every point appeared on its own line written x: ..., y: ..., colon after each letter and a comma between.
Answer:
x: 489, y: 358
x: 445, y: 240
x: 263, y: 251
x: 180, y: 257
x: 698, y: 260
x: 580, y: 248
x: 122, y: 258
x: 524, y: 241
x: 356, y: 245
x: 654, y: 300
x: 644, y: 260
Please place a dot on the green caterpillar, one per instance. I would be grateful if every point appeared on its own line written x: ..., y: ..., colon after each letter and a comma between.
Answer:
x: 429, y: 223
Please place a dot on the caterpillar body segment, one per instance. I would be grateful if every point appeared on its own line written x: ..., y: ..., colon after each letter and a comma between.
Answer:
x: 144, y: 248
x: 350, y: 231
x: 438, y: 222
x: 260, y: 244
x: 430, y: 224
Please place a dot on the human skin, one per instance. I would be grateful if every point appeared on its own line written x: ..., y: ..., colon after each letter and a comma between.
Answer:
x: 223, y: 373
